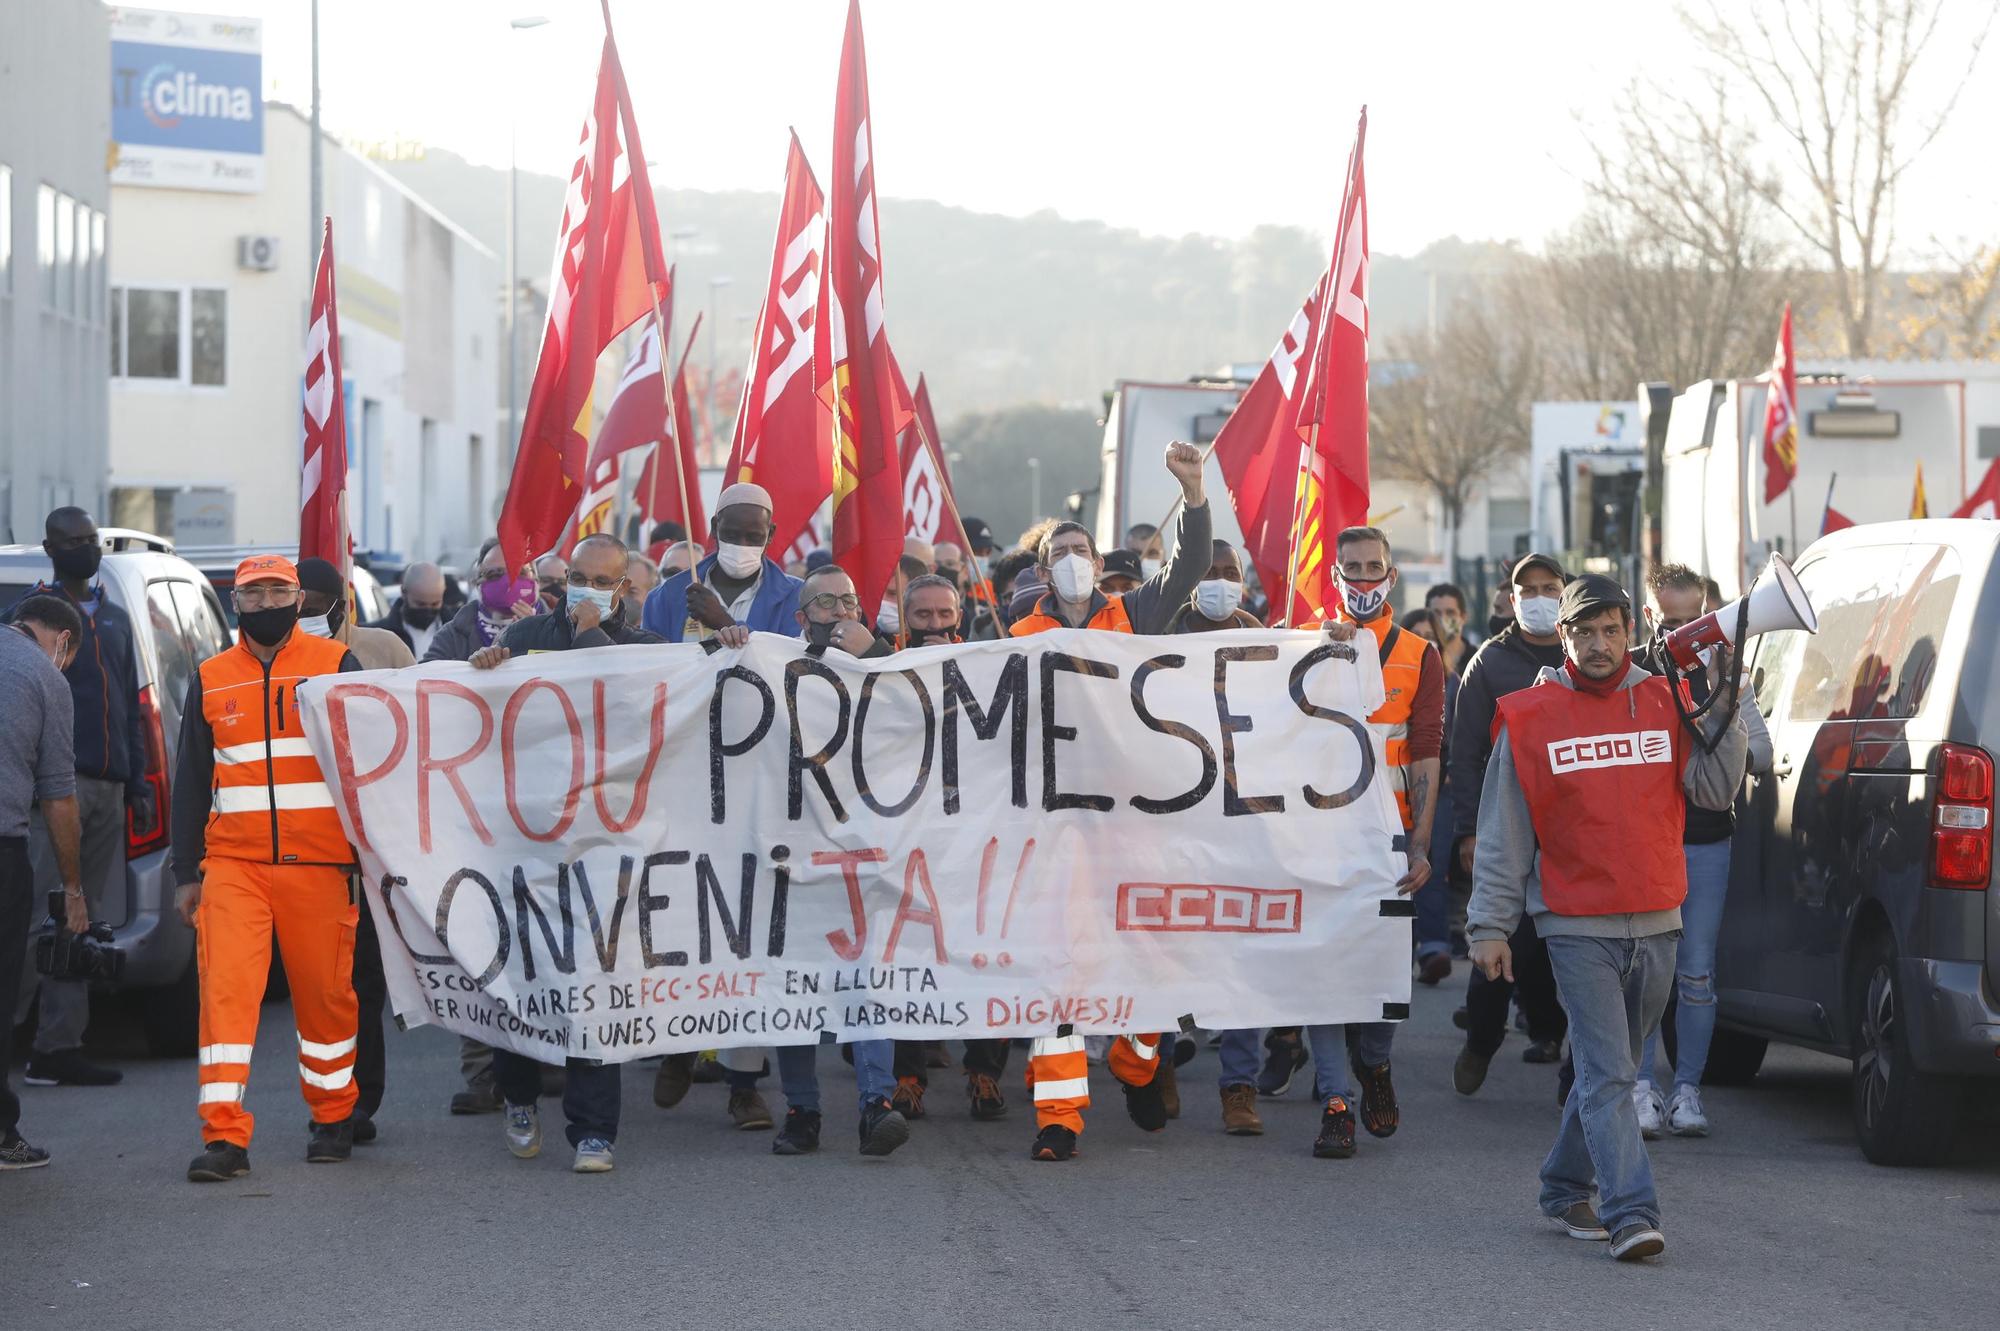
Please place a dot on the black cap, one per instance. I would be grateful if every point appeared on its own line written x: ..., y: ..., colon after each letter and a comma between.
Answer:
x: 981, y: 535
x: 1122, y: 563
x: 1531, y: 560
x: 1589, y: 594
x: 319, y: 575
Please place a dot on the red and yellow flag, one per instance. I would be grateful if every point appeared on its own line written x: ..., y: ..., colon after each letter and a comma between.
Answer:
x: 1781, y: 421
x: 1920, y: 504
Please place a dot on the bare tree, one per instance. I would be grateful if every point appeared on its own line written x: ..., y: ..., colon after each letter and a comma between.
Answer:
x: 1848, y: 91
x: 1463, y: 409
x: 1958, y: 308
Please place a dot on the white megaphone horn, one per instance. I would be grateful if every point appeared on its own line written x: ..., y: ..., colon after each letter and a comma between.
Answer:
x: 1776, y: 602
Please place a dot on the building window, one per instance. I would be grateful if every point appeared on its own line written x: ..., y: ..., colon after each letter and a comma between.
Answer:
x: 170, y: 335
x: 97, y: 269
x: 45, y: 243
x: 65, y: 275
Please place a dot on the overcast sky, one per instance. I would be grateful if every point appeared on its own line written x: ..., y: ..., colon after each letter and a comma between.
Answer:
x: 1169, y: 116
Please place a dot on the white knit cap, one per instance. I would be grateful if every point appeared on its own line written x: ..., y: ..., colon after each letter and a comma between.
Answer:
x: 744, y: 492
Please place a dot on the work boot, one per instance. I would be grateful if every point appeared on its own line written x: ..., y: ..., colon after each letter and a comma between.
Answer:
x: 1336, y: 1131
x: 1239, y: 1112
x: 882, y: 1129
x: 1169, y: 1082
x: 364, y: 1127
x: 984, y: 1092
x: 68, y: 1067
x: 478, y: 1100
x: 1055, y: 1142
x: 1434, y: 969
x: 1468, y: 1070
x: 1378, y: 1099
x: 908, y: 1099
x: 330, y: 1143
x: 800, y: 1135
x: 748, y: 1111
x: 1146, y: 1106
x: 671, y: 1082
x: 218, y: 1163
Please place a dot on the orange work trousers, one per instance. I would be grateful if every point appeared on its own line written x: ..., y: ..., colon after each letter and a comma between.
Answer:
x: 1059, y: 1074
x: 314, y: 914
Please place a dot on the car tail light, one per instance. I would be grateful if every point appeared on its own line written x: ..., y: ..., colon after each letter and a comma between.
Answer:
x: 1962, y: 818
x: 143, y: 838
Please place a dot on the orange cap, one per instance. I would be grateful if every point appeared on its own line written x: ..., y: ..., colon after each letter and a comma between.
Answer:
x: 267, y: 568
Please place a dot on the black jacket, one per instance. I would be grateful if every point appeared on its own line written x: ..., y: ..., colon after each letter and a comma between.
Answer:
x: 1505, y: 663
x: 1703, y: 826
x: 554, y: 633
x: 393, y: 623
x: 457, y: 639
x: 109, y: 738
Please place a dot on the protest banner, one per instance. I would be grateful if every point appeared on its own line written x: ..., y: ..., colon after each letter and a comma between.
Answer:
x: 635, y: 850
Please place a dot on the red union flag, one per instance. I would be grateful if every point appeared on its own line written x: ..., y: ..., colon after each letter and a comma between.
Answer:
x: 609, y: 270
x: 1983, y: 502
x: 780, y: 443
x: 661, y: 482
x: 1331, y: 413
x: 1258, y: 451
x: 853, y: 369
x: 1781, y: 421
x: 933, y: 498
x: 323, y: 530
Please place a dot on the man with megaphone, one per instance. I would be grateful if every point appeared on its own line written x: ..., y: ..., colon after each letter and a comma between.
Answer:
x: 1580, y: 823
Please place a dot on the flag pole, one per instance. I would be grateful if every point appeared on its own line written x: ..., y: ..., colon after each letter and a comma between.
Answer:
x: 667, y: 398
x: 1298, y: 521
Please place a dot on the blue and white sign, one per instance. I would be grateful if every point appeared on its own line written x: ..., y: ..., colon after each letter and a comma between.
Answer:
x: 187, y: 101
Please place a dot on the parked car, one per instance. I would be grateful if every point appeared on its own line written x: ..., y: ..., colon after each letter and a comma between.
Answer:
x: 218, y: 564
x: 177, y: 624
x: 1862, y: 917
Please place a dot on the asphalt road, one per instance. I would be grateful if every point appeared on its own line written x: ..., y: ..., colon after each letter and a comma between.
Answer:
x: 1775, y: 1221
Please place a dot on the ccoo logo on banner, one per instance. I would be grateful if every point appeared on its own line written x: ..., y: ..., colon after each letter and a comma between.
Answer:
x: 635, y: 850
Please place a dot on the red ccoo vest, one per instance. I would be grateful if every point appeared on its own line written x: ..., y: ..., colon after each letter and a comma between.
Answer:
x: 1603, y: 782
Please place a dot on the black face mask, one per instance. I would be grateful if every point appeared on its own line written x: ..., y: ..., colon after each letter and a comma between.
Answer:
x: 1496, y: 623
x: 77, y: 563
x: 336, y: 616
x: 269, y: 625
x: 925, y: 637
x: 419, y: 616
x: 818, y: 634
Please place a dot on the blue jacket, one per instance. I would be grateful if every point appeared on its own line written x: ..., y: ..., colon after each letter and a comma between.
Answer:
x: 773, y: 611
x: 110, y: 737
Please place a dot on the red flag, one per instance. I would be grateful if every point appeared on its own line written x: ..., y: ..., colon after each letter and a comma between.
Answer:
x: 660, y: 482
x: 1983, y: 502
x: 1331, y: 415
x: 1781, y: 422
x: 853, y: 369
x: 1920, y: 504
x: 930, y: 504
x: 323, y: 529
x: 594, y: 514
x: 609, y: 271
x: 1258, y: 451
x: 781, y: 442
x: 1832, y: 519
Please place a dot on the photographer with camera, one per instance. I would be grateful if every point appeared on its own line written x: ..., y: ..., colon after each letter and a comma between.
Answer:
x: 37, y: 767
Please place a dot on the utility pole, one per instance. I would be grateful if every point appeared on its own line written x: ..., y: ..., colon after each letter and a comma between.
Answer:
x: 314, y: 222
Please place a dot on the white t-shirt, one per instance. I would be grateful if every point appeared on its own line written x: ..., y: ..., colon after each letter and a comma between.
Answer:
x: 739, y: 609
x: 420, y: 639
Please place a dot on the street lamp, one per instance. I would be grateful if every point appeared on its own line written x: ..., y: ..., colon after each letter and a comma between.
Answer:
x: 521, y: 24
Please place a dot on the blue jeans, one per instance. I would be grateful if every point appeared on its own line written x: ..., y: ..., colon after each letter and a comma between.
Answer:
x: 1329, y: 1054
x: 1694, y: 969
x: 590, y: 1092
x: 1238, y: 1056
x: 1614, y: 990
x: 1433, y: 899
x: 874, y: 1073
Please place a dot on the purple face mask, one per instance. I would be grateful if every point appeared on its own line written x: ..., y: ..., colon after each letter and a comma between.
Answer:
x: 500, y: 596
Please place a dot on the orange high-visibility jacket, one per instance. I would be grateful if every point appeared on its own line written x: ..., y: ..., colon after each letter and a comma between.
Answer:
x: 1110, y: 617
x: 1402, y: 657
x: 268, y: 801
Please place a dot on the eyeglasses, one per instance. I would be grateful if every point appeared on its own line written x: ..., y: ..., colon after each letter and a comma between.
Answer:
x: 828, y: 601
x: 601, y: 584
x: 256, y: 598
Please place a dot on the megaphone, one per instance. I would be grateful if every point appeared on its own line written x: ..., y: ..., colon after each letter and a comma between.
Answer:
x: 1776, y: 602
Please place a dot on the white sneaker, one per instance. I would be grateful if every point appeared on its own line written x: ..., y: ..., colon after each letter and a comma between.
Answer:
x: 593, y: 1156
x: 1684, y: 1117
x: 1652, y: 1110
x: 524, y: 1131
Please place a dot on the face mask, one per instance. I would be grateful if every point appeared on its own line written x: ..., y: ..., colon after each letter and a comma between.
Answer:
x: 738, y: 561
x: 62, y: 644
x: 501, y: 596
x: 1217, y: 598
x: 1450, y: 625
x: 891, y: 619
x: 1538, y: 614
x: 818, y: 634
x: 1496, y: 624
x: 78, y: 563
x: 269, y: 626
x: 1365, y: 599
x: 419, y: 617
x: 319, y: 626
x: 1075, y: 579
x: 604, y: 601
x: 925, y: 637
x: 1148, y: 567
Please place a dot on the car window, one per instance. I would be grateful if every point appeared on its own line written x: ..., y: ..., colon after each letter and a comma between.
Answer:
x: 176, y: 663
x: 201, y: 620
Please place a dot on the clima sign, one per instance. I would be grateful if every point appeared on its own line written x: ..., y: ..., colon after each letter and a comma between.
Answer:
x: 187, y: 102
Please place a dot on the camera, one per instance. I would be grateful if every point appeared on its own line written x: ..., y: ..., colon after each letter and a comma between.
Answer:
x: 62, y: 955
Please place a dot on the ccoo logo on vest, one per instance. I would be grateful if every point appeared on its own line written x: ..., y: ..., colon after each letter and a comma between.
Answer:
x: 187, y: 102
x: 1630, y: 749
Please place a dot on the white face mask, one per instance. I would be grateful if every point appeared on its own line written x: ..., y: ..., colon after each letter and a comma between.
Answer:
x: 889, y: 620
x: 1538, y: 614
x: 1217, y: 598
x: 738, y: 561
x: 1148, y: 567
x: 316, y: 625
x: 1075, y: 578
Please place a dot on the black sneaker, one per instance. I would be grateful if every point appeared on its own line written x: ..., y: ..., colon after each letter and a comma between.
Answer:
x: 1580, y: 1222
x: 1543, y: 1051
x: 800, y: 1135
x: 1146, y: 1105
x: 68, y: 1067
x: 218, y: 1163
x: 480, y: 1100
x: 1055, y: 1142
x: 330, y: 1143
x: 1637, y: 1240
x: 984, y: 1092
x: 1468, y: 1071
x: 1378, y: 1099
x: 882, y: 1129
x: 1281, y: 1064
x: 364, y: 1127
x: 15, y: 1153
x: 1336, y: 1131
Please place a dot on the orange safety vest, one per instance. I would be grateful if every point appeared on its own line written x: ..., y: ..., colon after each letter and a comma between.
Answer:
x: 1111, y: 619
x: 269, y: 803
x: 1402, y: 657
